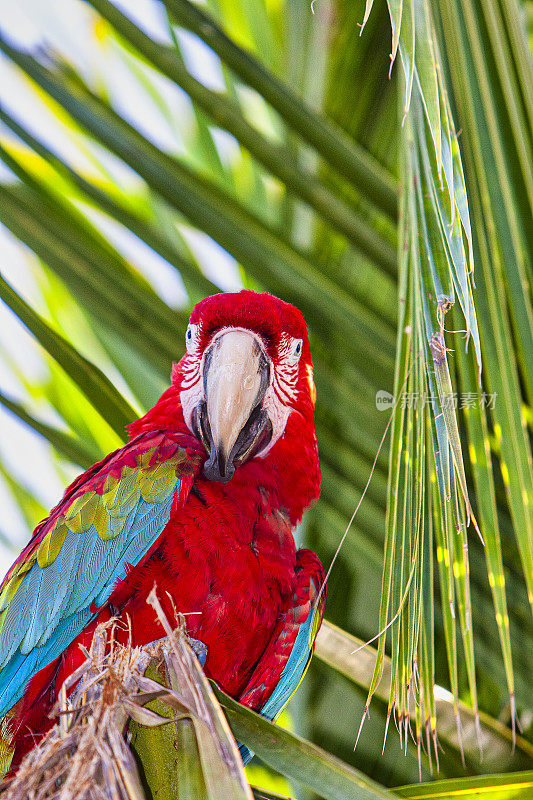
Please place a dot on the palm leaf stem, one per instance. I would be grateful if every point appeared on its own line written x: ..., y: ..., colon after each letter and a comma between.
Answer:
x: 297, y: 758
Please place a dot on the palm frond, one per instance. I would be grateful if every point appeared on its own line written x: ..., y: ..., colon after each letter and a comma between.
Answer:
x: 436, y: 269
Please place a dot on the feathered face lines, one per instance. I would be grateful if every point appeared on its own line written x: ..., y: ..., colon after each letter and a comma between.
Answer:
x: 287, y: 368
x: 239, y: 383
x: 191, y: 363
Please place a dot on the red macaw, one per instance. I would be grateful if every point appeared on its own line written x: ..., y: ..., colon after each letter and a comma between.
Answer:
x: 202, y: 502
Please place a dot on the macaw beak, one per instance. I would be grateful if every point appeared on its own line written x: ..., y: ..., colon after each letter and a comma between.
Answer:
x: 231, y: 422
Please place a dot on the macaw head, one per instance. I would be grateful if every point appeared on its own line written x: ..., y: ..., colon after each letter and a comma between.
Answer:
x: 247, y: 372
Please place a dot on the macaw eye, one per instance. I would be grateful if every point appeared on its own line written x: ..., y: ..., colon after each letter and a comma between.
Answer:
x: 190, y: 337
x: 296, y: 350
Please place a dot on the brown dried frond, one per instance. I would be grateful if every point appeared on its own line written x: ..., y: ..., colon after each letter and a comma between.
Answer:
x: 85, y: 756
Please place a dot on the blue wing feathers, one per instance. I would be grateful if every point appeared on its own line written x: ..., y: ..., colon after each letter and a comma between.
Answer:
x: 293, y: 671
x: 285, y: 661
x: 69, y: 552
x: 88, y: 560
x: 18, y: 607
x: 290, y: 678
x: 53, y: 604
x: 102, y: 570
x: 128, y: 547
x: 22, y: 666
x: 52, y: 600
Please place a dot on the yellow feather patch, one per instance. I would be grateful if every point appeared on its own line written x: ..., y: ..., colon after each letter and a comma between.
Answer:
x: 110, y: 489
x: 158, y: 482
x: 6, y: 747
x: 25, y: 566
x: 80, y: 515
x: 101, y: 523
x: 126, y: 496
x: 107, y: 511
x: 107, y: 527
x: 311, y: 384
x: 9, y: 592
x: 144, y: 459
x: 51, y: 544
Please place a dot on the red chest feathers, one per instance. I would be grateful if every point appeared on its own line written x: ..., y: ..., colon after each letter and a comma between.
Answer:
x: 228, y: 561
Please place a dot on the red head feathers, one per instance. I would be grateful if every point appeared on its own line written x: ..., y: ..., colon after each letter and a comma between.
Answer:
x: 245, y: 389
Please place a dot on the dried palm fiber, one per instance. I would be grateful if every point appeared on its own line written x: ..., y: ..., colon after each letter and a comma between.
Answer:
x: 87, y: 755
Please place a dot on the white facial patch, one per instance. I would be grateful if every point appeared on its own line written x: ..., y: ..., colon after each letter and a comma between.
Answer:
x: 282, y: 390
x: 192, y: 383
x: 278, y: 413
x: 279, y: 396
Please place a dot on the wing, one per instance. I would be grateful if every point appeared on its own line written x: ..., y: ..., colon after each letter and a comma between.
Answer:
x: 109, y: 518
x: 284, y: 663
